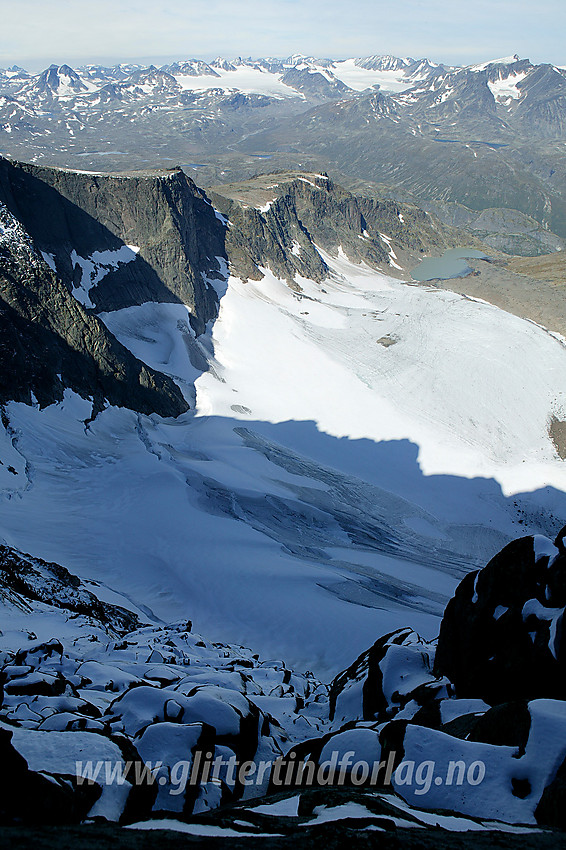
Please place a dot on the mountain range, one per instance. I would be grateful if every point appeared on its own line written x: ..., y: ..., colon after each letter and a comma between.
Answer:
x: 272, y: 492
x: 486, y: 136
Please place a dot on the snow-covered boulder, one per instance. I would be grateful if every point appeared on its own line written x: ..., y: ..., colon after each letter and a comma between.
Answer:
x: 352, y: 755
x: 42, y: 786
x: 394, y: 677
x: 513, y: 781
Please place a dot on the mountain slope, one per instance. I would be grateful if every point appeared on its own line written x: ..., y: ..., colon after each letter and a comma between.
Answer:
x: 49, y: 343
x: 356, y: 446
x: 349, y: 456
x: 280, y: 221
x: 77, y: 219
x: 485, y: 136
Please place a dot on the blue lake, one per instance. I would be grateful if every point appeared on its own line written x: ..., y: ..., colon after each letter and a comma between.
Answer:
x: 451, y: 264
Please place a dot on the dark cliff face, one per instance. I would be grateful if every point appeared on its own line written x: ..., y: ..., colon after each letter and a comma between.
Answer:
x: 110, y: 242
x: 502, y: 634
x: 25, y: 579
x: 278, y: 221
x: 283, y: 233
x: 165, y: 215
x: 48, y: 342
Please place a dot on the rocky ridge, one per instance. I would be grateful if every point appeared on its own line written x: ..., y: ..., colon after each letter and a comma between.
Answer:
x: 72, y: 216
x: 279, y: 221
x: 484, y: 136
x: 75, y: 245
x: 49, y: 342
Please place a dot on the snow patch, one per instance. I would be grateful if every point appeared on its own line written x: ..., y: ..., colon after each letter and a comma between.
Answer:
x: 505, y: 89
x: 50, y: 260
x: 97, y: 266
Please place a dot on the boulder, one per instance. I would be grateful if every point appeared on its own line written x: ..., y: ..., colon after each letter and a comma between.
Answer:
x: 501, y: 635
x: 28, y: 797
x: 395, y: 675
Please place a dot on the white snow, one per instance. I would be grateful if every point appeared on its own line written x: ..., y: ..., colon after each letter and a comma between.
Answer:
x: 288, y: 808
x: 161, y: 333
x: 97, y: 266
x: 327, y: 814
x: 450, y: 709
x: 506, y: 60
x: 493, y: 796
x: 10, y: 229
x: 50, y: 260
x: 306, y: 180
x: 457, y: 824
x: 168, y: 744
x: 59, y: 752
x: 543, y: 547
x: 304, y: 434
x: 202, y: 829
x: 506, y: 89
x: 392, y: 254
x: 533, y: 608
x: 244, y: 78
x: 359, y: 78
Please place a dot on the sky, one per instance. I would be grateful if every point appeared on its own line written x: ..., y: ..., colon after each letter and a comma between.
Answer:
x: 35, y: 33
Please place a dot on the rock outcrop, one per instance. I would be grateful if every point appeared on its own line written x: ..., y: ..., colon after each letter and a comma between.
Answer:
x: 425, y: 728
x: 49, y: 343
x: 76, y: 219
x: 501, y: 637
x: 75, y: 244
x: 25, y: 580
x: 394, y: 675
x: 123, y: 720
x: 280, y: 221
x: 163, y: 704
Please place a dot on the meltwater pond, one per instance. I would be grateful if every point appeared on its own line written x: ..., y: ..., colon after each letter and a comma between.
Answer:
x: 451, y: 264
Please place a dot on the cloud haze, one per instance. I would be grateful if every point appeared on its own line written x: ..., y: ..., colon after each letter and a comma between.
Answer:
x: 35, y: 33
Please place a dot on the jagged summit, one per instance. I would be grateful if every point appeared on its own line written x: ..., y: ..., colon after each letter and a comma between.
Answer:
x: 384, y: 63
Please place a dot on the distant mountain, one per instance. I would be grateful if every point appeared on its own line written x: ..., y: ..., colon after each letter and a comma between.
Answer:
x: 314, y: 83
x: 193, y: 68
x: 487, y: 136
x: 541, y: 105
x: 461, y: 95
x: 65, y: 82
x: 384, y: 63
x: 56, y: 81
x: 154, y: 81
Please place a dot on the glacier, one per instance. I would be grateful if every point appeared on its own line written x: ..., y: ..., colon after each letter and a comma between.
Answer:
x: 353, y: 449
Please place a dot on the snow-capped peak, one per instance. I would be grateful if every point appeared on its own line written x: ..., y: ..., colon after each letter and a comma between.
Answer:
x: 506, y: 60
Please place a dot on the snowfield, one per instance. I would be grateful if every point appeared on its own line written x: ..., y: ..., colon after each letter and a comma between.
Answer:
x: 353, y: 449
x: 244, y: 78
x: 359, y: 78
x: 506, y: 88
x: 255, y: 80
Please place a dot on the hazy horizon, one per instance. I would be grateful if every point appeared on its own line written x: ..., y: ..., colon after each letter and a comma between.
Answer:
x: 34, y: 35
